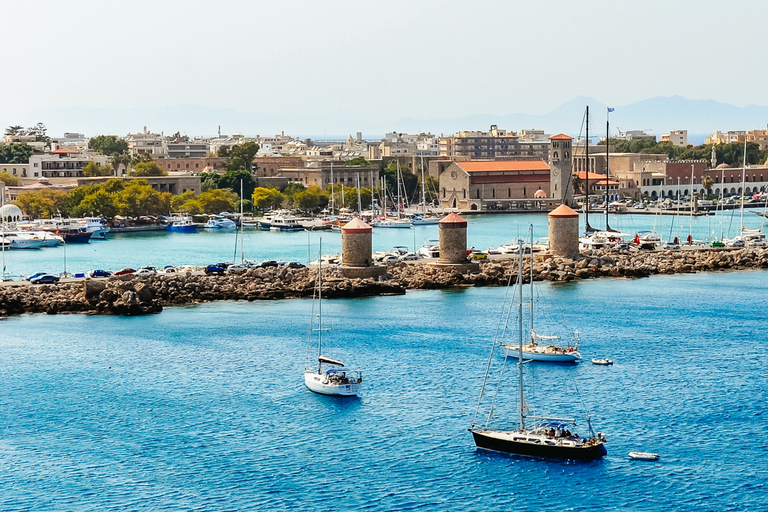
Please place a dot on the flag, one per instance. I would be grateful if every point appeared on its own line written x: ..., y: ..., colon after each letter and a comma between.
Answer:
x: 610, y: 109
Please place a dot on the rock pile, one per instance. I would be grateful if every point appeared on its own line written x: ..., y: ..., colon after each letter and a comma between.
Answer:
x: 140, y: 295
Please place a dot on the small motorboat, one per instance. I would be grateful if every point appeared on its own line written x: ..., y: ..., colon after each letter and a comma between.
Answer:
x: 643, y: 456
x: 604, y: 361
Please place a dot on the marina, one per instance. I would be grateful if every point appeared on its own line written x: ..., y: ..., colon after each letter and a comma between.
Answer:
x: 204, y: 406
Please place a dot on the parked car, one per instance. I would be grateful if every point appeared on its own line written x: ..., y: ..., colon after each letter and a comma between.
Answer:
x: 236, y: 269
x: 99, y: 273
x: 143, y: 271
x: 477, y: 255
x: 409, y: 256
x: 187, y: 268
x: 670, y: 246
x: 125, y: 271
x: 294, y: 264
x: 43, y: 279
x: 640, y: 206
x: 716, y: 243
x: 390, y: 258
x: 735, y: 243
x: 268, y: 263
x: 36, y: 274
x: 214, y: 269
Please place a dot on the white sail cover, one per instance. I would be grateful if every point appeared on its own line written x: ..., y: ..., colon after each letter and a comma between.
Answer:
x: 328, y: 360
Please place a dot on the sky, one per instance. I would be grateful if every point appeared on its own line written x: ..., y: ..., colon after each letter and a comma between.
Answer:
x: 341, y: 62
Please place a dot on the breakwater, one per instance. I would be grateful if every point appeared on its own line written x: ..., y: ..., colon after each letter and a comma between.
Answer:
x: 140, y: 295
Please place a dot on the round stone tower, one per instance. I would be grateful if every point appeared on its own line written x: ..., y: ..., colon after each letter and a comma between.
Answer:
x: 356, y: 244
x: 453, y: 240
x: 564, y: 232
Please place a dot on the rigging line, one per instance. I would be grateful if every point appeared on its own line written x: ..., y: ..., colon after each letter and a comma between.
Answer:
x: 500, y: 332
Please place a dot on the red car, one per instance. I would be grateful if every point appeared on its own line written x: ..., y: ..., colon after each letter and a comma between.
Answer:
x: 125, y: 271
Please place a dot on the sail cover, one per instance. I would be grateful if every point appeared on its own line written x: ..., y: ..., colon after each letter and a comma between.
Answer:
x: 328, y: 360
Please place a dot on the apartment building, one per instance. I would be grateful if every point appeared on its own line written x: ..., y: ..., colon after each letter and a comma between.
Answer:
x: 495, y: 144
x: 62, y: 163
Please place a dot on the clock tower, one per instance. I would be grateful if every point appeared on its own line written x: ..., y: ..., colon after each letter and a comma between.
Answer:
x: 560, y: 164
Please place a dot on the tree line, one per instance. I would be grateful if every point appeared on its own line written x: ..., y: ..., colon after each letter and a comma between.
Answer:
x: 731, y: 154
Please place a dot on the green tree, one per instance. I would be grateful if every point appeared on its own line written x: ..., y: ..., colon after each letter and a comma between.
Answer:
x: 108, y: 144
x: 96, y: 169
x: 408, y: 180
x: 231, y: 180
x: 148, y: 169
x: 223, y: 152
x: 10, y: 180
x: 139, y: 198
x: 707, y: 183
x: 357, y: 161
x: 217, y: 200
x: 41, y: 134
x: 15, y: 153
x: 241, y: 157
x: 244, y: 204
x: 310, y: 199
x: 119, y: 159
x: 267, y: 197
x: 15, y: 130
x: 177, y: 202
x: 98, y: 203
x: 43, y: 204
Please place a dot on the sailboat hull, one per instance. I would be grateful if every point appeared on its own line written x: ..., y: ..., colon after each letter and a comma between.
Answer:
x: 319, y: 383
x: 556, y: 356
x: 537, y: 446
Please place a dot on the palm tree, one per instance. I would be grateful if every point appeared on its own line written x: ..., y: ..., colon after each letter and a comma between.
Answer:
x: 707, y: 183
x: 119, y: 159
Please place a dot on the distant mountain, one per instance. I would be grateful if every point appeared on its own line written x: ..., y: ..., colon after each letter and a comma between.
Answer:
x: 655, y: 115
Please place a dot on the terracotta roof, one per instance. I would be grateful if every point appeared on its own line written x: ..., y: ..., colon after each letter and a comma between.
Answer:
x: 504, y: 165
x: 592, y: 176
x: 539, y: 194
x: 356, y: 226
x: 63, y: 151
x: 563, y: 211
x: 561, y: 136
x: 453, y: 218
x: 602, y: 182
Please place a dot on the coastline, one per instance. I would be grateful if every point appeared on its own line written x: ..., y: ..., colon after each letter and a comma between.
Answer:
x: 141, y: 295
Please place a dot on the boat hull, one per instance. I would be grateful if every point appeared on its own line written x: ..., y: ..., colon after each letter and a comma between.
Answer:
x: 568, y: 357
x: 190, y: 228
x: 502, y: 442
x: 316, y: 382
x: 77, y: 238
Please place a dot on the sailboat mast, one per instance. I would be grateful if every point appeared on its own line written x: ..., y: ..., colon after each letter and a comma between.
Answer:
x: 320, y: 305
x: 520, y: 336
x: 607, y: 168
x: 2, y: 230
x: 332, y: 190
x: 242, y: 248
x: 533, y: 340
x: 359, y: 201
x: 586, y: 187
x: 743, y: 184
x: 423, y: 192
x: 693, y: 199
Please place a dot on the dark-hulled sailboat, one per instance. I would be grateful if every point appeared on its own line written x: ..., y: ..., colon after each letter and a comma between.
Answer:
x: 547, y: 437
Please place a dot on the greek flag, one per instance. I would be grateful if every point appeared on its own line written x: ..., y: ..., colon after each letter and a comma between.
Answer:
x: 610, y: 109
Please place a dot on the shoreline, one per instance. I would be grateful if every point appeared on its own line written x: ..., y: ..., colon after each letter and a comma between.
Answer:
x: 140, y: 295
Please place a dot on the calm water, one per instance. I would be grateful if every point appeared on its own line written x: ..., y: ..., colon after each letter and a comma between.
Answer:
x: 164, y: 248
x: 204, y: 408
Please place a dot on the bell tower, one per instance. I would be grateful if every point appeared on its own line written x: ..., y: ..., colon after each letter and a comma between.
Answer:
x: 560, y: 164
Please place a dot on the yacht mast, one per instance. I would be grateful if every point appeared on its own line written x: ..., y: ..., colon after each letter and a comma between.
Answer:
x: 423, y: 194
x: 607, y: 168
x: 320, y: 306
x: 586, y: 187
x: 743, y: 184
x: 332, y: 190
x: 520, y: 336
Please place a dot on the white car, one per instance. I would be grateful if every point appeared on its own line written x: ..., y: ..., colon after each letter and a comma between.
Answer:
x: 409, y: 256
x: 390, y: 258
x: 144, y: 271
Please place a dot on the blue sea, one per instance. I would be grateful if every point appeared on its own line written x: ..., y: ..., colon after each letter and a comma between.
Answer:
x: 204, y: 407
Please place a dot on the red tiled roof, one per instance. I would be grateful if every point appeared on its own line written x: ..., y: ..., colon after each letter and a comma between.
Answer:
x: 561, y: 136
x: 504, y: 165
x: 356, y: 226
x: 563, y: 211
x: 63, y: 151
x: 592, y: 176
x: 453, y: 218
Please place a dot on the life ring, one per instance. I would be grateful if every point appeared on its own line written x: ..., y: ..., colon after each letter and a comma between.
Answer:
x: 359, y: 380
x: 570, y: 349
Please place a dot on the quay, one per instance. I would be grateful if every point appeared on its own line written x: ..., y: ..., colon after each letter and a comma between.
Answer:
x: 146, y: 294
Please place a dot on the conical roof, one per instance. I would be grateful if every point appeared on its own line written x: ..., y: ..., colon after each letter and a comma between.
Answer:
x: 563, y: 211
x: 453, y: 218
x: 356, y: 226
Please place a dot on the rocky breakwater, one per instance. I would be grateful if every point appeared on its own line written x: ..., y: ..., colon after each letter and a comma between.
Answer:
x: 139, y: 295
x: 588, y: 265
x: 146, y: 294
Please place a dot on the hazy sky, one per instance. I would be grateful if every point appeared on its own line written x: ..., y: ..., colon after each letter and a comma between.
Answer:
x: 377, y: 60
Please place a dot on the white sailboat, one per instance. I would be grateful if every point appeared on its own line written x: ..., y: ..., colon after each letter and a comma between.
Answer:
x: 543, y: 347
x: 537, y: 436
x: 330, y: 376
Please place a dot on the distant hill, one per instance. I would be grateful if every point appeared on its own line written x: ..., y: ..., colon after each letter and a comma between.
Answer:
x: 655, y: 115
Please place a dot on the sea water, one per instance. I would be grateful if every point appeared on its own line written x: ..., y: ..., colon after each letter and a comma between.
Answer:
x: 204, y: 407
x: 161, y: 248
